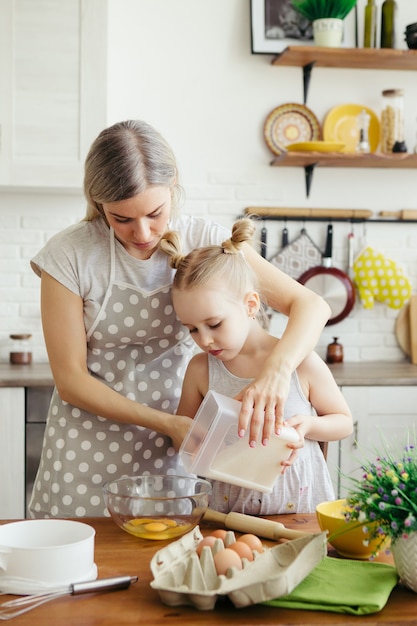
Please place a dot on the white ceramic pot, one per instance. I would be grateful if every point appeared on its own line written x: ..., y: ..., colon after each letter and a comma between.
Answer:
x: 405, y: 559
x: 37, y: 555
x: 328, y: 32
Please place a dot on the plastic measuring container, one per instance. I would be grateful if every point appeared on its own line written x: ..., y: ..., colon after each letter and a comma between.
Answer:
x: 213, y: 449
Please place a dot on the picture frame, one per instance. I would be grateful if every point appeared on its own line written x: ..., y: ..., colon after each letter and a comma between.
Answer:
x: 275, y: 25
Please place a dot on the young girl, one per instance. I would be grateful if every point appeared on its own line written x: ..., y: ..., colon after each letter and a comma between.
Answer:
x: 215, y: 297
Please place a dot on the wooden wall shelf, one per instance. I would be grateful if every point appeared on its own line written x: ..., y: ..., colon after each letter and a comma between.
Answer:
x: 308, y: 57
x: 310, y: 160
x: 355, y: 58
x: 347, y: 159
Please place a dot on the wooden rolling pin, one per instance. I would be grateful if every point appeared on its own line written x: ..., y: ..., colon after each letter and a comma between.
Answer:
x: 405, y: 214
x: 256, y: 525
x: 293, y: 212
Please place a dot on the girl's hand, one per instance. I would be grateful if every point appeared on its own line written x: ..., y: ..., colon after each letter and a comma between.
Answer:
x: 296, y: 422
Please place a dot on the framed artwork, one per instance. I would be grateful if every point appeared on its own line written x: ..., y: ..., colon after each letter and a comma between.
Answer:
x: 275, y: 25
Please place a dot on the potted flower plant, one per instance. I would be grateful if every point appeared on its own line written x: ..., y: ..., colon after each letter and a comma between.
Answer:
x: 327, y: 18
x: 386, y: 498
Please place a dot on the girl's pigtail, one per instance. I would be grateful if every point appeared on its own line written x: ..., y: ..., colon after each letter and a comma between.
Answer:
x: 242, y: 231
x: 170, y: 243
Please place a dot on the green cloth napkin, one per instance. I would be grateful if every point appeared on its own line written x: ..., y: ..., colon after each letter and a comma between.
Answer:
x: 342, y: 586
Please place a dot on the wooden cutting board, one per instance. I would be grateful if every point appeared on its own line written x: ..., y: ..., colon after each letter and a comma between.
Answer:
x: 406, y: 329
x: 413, y: 328
x: 402, y: 329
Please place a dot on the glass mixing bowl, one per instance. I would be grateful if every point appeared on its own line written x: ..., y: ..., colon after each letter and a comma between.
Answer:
x: 157, y: 506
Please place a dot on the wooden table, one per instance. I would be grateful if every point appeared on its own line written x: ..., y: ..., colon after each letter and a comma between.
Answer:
x: 118, y: 553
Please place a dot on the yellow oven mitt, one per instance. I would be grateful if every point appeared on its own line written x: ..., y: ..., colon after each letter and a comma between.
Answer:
x: 381, y: 279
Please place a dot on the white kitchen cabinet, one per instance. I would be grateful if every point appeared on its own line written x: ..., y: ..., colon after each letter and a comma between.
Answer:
x: 12, y: 452
x: 381, y: 414
x: 52, y: 89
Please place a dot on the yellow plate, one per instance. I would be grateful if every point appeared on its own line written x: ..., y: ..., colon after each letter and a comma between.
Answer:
x: 289, y: 123
x: 316, y: 146
x: 341, y: 124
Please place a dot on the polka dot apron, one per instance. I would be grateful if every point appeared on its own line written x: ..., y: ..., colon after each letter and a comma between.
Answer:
x: 137, y: 347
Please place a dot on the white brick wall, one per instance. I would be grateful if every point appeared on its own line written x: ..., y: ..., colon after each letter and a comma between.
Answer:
x: 28, y: 220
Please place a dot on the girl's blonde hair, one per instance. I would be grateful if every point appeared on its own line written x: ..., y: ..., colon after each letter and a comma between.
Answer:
x: 225, y: 262
x: 124, y: 160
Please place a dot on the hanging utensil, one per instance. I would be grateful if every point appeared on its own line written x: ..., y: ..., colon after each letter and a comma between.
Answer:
x: 13, y: 608
x: 298, y: 256
x: 263, y: 242
x: 351, y: 237
x: 331, y: 283
x: 284, y: 241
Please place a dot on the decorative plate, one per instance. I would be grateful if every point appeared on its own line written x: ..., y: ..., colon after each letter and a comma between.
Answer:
x: 290, y: 123
x: 341, y: 124
x: 316, y: 146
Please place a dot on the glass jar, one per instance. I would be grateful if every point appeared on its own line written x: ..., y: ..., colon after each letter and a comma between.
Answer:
x: 392, y: 121
x: 20, y: 352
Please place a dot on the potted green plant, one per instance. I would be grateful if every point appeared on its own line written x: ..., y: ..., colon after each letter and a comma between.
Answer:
x: 327, y: 18
x: 386, y: 499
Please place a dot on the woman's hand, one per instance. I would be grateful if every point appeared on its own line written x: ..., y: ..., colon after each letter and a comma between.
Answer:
x: 181, y: 426
x: 263, y: 404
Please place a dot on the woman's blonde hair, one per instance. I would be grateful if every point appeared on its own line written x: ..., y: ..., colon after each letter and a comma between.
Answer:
x: 225, y: 262
x: 124, y: 160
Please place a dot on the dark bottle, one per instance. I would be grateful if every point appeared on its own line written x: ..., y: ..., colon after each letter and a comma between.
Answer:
x: 334, y: 352
x: 389, y: 13
x: 369, y: 34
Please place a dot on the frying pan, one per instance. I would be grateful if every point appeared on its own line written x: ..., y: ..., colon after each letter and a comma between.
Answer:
x: 331, y: 283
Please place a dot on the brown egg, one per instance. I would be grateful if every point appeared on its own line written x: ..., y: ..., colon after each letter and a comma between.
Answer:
x: 252, y: 541
x: 225, y: 559
x: 220, y: 533
x: 207, y: 541
x: 242, y: 549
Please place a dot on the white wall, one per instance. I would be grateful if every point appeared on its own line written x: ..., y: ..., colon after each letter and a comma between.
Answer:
x: 186, y: 67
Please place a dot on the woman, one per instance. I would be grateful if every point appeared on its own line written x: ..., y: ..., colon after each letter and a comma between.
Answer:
x: 116, y: 349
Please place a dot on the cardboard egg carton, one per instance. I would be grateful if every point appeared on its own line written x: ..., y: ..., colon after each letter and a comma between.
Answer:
x: 182, y: 577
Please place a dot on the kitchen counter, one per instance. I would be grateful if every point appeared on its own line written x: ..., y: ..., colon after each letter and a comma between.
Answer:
x: 373, y: 373
x: 384, y: 373
x: 117, y: 553
x: 35, y: 375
